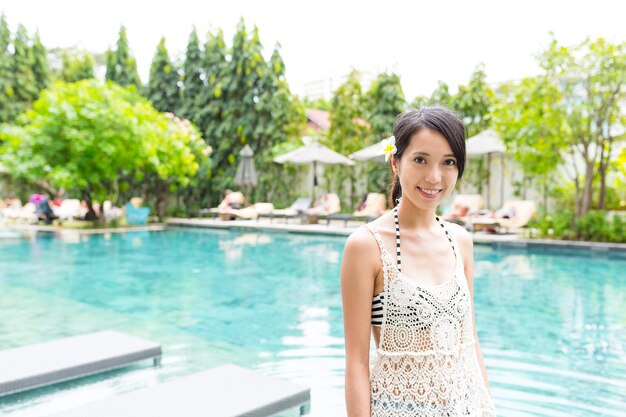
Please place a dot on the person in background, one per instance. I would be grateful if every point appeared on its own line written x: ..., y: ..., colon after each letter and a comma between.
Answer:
x: 232, y: 200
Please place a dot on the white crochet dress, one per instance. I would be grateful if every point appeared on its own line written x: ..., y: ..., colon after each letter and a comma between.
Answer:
x: 426, y: 363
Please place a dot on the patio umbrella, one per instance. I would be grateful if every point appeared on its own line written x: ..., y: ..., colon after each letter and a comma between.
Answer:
x: 488, y: 143
x: 375, y: 152
x: 313, y: 153
x: 246, y: 174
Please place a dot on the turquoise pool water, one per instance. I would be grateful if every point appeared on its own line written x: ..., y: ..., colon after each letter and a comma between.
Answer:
x: 552, y: 324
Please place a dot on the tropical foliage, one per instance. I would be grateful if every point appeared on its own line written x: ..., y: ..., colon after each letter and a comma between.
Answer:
x: 564, y: 127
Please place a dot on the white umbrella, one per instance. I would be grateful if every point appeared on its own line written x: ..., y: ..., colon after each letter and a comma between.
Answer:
x: 246, y: 174
x: 313, y: 153
x: 485, y: 143
x: 488, y: 143
x: 375, y: 152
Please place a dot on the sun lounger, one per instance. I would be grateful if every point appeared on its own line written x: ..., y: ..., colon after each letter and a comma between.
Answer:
x: 523, y: 211
x: 26, y: 214
x: 70, y: 209
x: 136, y: 215
x: 346, y: 218
x: 375, y: 205
x: 247, y: 213
x: 328, y: 204
x: 462, y: 207
x: 33, y: 366
x: 373, y: 208
x: 225, y: 391
x: 294, y: 211
x: 251, y: 212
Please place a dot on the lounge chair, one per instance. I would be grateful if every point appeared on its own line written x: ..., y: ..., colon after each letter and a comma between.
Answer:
x: 374, y: 206
x: 328, y: 204
x: 515, y: 214
x: 233, y: 200
x: 70, y: 209
x: 10, y: 208
x: 294, y: 211
x: 42, y: 364
x: 247, y: 213
x: 463, y: 206
x: 110, y: 212
x: 136, y: 215
x: 27, y: 214
x: 225, y: 391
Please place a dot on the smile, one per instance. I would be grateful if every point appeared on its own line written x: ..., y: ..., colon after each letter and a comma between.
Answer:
x: 429, y: 193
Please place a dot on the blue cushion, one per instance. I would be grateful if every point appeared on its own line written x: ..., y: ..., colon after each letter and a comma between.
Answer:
x: 136, y: 215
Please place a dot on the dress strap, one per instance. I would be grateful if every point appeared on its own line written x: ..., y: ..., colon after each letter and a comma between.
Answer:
x: 445, y: 229
x: 451, y: 238
x: 398, y: 256
x: 385, y: 258
x: 379, y: 240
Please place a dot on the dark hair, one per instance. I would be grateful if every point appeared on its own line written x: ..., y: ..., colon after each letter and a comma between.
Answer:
x: 439, y: 119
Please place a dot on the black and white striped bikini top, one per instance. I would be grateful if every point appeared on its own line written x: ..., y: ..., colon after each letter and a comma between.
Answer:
x: 379, y: 299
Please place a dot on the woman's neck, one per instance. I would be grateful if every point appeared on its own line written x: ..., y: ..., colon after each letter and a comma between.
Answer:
x: 413, y: 218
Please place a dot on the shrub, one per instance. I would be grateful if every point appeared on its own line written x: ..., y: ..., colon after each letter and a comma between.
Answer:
x: 593, y: 226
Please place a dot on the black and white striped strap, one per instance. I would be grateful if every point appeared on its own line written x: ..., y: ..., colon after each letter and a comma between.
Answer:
x: 398, y: 260
x: 398, y: 257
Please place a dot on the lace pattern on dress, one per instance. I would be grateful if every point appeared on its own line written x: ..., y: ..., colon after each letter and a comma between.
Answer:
x: 426, y: 363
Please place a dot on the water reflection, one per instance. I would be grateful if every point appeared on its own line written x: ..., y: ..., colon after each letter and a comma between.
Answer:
x: 551, y: 324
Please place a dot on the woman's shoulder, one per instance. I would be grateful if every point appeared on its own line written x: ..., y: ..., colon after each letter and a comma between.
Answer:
x: 383, y: 223
x: 364, y: 238
x: 463, y: 237
x: 361, y: 240
x: 457, y: 229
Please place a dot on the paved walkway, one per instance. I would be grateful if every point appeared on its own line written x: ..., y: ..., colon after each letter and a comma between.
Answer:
x: 338, y: 228
x: 335, y: 227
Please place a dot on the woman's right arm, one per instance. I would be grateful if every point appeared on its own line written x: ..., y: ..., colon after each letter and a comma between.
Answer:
x: 358, y: 272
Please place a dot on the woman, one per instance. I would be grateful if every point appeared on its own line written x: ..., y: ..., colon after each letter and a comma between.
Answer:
x: 407, y: 278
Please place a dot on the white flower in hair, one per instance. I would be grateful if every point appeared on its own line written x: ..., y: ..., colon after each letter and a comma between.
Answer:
x: 389, y: 147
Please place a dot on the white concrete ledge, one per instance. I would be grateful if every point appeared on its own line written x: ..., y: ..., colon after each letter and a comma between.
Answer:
x: 498, y: 240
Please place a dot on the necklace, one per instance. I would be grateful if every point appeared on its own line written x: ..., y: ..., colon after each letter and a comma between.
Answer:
x: 398, y: 256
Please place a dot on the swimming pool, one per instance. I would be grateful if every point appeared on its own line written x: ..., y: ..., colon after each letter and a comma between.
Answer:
x: 552, y: 324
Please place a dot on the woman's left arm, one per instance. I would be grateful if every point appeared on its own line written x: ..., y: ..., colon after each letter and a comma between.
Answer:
x: 466, y: 245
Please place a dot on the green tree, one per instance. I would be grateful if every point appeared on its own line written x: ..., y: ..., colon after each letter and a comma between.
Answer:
x: 7, y: 95
x: 473, y: 102
x: 238, y: 88
x: 209, y: 100
x: 76, y: 67
x: 441, y: 96
x: 121, y: 65
x: 208, y: 118
x: 280, y: 120
x: 92, y: 138
x: 193, y: 75
x: 419, y: 102
x: 348, y: 132
x: 162, y: 89
x: 24, y: 82
x: 592, y: 78
x: 319, y: 103
x: 384, y: 102
x: 531, y: 119
x: 41, y: 68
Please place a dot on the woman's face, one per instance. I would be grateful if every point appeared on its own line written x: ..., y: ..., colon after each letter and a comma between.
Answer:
x: 427, y: 169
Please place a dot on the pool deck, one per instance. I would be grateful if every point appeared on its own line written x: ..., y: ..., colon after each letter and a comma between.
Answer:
x: 337, y: 228
x: 33, y: 228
